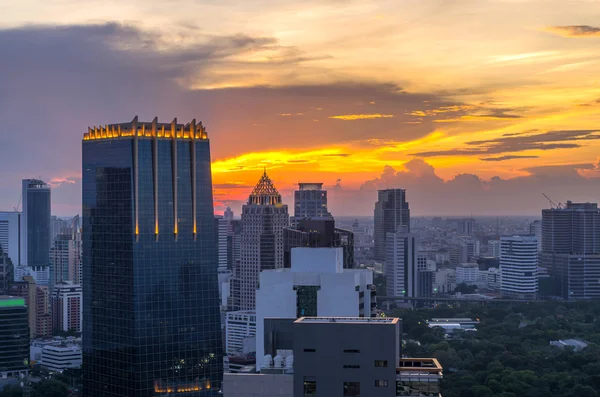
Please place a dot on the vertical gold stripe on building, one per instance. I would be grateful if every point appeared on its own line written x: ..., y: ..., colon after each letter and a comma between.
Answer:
x: 174, y: 167
x: 193, y: 166
x: 155, y: 172
x: 136, y: 177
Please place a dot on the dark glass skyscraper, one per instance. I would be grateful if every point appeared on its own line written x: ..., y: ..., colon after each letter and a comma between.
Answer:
x: 35, y: 228
x: 391, y: 212
x: 151, y: 301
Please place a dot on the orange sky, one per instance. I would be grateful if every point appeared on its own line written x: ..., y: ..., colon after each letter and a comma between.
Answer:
x: 336, y: 90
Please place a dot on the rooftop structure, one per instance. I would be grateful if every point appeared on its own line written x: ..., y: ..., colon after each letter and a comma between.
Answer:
x: 154, y: 129
x: 264, y: 193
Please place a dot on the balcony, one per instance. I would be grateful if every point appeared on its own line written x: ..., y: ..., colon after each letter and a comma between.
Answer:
x: 418, y: 377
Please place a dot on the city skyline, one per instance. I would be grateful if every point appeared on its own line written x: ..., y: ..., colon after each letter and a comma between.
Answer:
x: 481, y: 104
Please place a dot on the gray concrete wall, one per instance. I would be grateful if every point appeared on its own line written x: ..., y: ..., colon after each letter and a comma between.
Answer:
x: 258, y: 385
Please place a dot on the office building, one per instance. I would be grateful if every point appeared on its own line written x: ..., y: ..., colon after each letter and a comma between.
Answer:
x: 10, y: 235
x: 150, y: 295
x: 6, y: 273
x: 67, y: 310
x: 310, y: 201
x: 35, y: 223
x: 239, y: 327
x: 59, y: 358
x: 14, y: 339
x: 41, y: 274
x: 466, y: 227
x: 494, y: 248
x: 37, y: 300
x: 535, y: 229
x: 571, y: 249
x: 337, y: 356
x: 401, y: 263
x: 315, y: 285
x: 263, y: 219
x: 467, y: 273
x: 58, y: 226
x: 315, y: 233
x: 62, y: 259
x: 518, y: 267
x: 391, y: 212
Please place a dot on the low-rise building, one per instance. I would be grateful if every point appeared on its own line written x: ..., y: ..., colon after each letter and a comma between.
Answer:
x: 58, y: 358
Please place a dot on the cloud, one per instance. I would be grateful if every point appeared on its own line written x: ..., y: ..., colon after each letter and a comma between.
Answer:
x: 505, y: 158
x: 575, y: 31
x: 511, y: 143
x: 468, y: 194
x: 362, y: 116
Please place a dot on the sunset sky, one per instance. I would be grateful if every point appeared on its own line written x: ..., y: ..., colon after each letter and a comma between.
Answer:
x: 474, y: 106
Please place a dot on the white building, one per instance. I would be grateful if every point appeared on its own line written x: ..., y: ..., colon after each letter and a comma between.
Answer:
x: 535, y: 229
x: 58, y: 358
x: 401, y: 263
x: 493, y: 278
x: 10, y: 238
x: 494, y: 248
x: 239, y: 327
x: 41, y: 274
x: 444, y: 280
x: 67, y: 308
x: 518, y: 266
x: 315, y: 285
x: 467, y: 273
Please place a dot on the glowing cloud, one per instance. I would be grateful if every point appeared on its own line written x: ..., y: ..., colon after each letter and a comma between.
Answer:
x: 575, y: 31
x: 350, y: 117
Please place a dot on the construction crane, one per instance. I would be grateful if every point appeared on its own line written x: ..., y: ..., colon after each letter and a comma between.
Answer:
x: 552, y: 203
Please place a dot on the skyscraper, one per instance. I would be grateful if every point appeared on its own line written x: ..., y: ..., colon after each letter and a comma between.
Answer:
x: 571, y: 249
x: 151, y: 302
x: 10, y: 235
x: 535, y: 229
x: 391, y: 212
x: 263, y: 220
x: 62, y: 259
x: 518, y: 266
x: 310, y: 201
x: 35, y: 223
x: 66, y: 307
x: 14, y: 339
x: 401, y: 263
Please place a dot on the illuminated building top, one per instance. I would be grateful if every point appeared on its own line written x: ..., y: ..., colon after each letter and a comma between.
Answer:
x: 153, y: 129
x: 264, y: 192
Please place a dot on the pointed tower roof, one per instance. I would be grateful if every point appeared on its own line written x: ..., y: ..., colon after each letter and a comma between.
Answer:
x: 264, y: 193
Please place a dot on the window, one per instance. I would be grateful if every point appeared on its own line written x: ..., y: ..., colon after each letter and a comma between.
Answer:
x: 351, y: 366
x: 351, y: 389
x: 351, y: 351
x: 381, y: 363
x: 310, y: 350
x: 310, y: 386
x: 381, y: 383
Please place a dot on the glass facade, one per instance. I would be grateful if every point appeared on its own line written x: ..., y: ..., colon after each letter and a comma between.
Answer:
x: 14, y: 336
x: 36, y: 208
x: 151, y: 303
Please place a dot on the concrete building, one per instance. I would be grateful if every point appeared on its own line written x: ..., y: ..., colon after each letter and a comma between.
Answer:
x: 310, y: 201
x: 401, y: 263
x: 6, y: 272
x: 59, y: 358
x: 63, y: 256
x: 467, y: 273
x: 67, y: 308
x: 35, y: 223
x: 14, y: 339
x: 518, y: 267
x: 466, y: 227
x: 37, y: 300
x: 336, y: 356
x: 493, y: 278
x: 10, y: 235
x: 315, y: 285
x: 535, y: 229
x: 571, y: 249
x: 263, y: 219
x: 239, y: 327
x: 494, y: 248
x: 391, y: 212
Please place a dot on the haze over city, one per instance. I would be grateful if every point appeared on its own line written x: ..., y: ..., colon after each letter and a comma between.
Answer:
x: 475, y: 107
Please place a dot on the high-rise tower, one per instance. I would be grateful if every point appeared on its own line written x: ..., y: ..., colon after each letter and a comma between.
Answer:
x: 310, y: 201
x: 391, y: 212
x: 151, y: 302
x: 35, y: 223
x: 263, y: 220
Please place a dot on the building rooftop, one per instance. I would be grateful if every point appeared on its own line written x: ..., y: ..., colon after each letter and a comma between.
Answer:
x: 265, y: 193
x: 153, y: 129
x: 412, y: 365
x: 310, y: 185
x: 348, y: 320
x: 11, y: 301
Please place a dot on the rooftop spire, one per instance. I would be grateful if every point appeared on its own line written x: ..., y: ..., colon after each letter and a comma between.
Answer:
x: 264, y: 193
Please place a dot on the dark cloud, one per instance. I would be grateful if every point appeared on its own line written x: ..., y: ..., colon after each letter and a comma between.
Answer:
x: 468, y: 194
x: 575, y: 31
x: 56, y: 81
x: 511, y: 143
x: 505, y: 158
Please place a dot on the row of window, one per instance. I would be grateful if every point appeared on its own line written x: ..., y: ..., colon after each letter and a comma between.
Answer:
x: 351, y: 389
